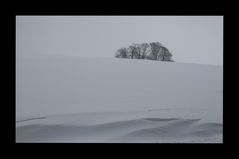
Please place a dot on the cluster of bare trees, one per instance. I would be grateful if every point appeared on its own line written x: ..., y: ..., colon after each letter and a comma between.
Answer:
x: 151, y: 51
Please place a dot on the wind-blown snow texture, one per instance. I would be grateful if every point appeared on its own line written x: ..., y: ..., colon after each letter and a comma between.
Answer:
x: 117, y: 100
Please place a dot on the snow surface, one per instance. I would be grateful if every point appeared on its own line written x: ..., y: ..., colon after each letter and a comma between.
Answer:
x: 73, y: 99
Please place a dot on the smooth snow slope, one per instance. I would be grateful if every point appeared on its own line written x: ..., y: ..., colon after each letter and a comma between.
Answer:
x: 117, y: 100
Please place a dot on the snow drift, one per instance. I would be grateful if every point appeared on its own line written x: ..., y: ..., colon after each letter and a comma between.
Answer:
x: 117, y: 100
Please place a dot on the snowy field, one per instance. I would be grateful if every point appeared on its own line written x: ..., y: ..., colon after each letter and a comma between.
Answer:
x: 72, y: 99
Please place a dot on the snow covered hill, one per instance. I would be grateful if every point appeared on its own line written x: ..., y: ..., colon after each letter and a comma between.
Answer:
x: 73, y: 99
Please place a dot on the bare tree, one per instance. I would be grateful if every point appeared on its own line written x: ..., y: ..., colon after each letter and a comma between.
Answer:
x: 121, y: 53
x: 133, y: 51
x: 164, y: 54
x: 138, y: 51
x: 144, y: 50
x: 155, y: 47
x: 152, y: 51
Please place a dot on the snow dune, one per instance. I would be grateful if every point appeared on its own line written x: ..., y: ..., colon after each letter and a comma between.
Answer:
x: 117, y: 100
x: 125, y: 127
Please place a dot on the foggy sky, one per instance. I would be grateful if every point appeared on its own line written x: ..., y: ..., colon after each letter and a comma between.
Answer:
x: 191, y: 39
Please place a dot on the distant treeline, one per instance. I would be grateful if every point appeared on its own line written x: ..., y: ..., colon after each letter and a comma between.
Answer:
x: 151, y: 51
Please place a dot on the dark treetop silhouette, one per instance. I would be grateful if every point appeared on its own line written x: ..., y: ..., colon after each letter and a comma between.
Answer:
x: 151, y: 51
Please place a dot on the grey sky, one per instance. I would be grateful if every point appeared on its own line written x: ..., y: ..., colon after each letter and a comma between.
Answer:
x: 191, y: 39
